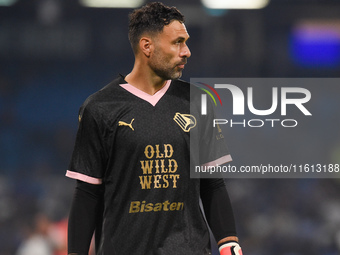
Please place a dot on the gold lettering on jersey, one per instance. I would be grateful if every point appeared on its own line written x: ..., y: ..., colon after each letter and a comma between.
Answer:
x: 158, y: 154
x: 122, y: 123
x: 158, y: 181
x: 147, y: 166
x: 143, y: 206
x: 149, y: 152
x: 159, y: 170
x: 165, y: 181
x: 174, y: 162
x: 168, y: 151
x: 145, y: 181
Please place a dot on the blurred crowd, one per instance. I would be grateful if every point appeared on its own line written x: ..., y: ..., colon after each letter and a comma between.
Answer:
x: 287, y: 216
x: 36, y: 142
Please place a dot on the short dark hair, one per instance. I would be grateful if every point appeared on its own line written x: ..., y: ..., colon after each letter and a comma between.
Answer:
x: 151, y: 18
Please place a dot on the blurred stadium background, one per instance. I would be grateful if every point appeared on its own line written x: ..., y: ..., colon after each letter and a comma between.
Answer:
x: 54, y: 53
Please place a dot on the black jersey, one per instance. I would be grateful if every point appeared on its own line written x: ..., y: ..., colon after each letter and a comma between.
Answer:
x: 138, y: 146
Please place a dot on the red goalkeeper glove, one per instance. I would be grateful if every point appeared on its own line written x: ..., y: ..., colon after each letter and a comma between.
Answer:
x: 230, y: 248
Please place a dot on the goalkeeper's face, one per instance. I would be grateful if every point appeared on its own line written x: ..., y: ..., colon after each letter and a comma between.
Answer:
x: 170, y: 51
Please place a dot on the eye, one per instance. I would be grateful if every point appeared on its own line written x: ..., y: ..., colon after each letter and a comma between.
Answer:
x: 179, y: 41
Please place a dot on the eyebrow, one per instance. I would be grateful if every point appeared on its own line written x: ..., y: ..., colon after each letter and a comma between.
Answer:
x: 182, y: 38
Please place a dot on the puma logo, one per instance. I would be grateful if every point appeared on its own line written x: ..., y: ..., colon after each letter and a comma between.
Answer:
x: 122, y: 123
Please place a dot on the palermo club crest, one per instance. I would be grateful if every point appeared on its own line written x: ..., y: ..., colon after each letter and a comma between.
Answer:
x: 185, y: 121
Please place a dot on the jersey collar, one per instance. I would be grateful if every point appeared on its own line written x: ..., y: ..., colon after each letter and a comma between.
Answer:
x: 152, y: 99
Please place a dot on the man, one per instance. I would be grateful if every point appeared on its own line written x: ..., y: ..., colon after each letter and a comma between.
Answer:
x: 132, y: 156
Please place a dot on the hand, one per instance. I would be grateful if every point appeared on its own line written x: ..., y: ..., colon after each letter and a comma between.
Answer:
x: 230, y: 248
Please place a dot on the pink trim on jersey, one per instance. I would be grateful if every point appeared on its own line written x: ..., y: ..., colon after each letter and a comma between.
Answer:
x: 152, y: 99
x: 219, y: 161
x: 83, y: 177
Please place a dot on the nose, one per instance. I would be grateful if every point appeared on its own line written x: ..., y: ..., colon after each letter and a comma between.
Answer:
x: 185, y: 52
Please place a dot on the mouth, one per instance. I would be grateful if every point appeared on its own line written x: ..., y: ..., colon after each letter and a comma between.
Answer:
x: 181, y: 65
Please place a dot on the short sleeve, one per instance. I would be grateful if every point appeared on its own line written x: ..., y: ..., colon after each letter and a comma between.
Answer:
x: 89, y: 158
x: 213, y: 148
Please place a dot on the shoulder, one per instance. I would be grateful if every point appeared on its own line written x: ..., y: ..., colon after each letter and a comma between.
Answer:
x: 103, y: 105
x: 105, y: 93
x: 180, y: 85
x: 98, y: 100
x: 186, y: 89
x: 185, y: 86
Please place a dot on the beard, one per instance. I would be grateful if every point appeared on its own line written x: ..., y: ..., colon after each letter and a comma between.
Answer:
x: 167, y: 74
x: 162, y: 66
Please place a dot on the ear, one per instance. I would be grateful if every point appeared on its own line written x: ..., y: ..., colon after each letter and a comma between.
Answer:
x: 145, y: 45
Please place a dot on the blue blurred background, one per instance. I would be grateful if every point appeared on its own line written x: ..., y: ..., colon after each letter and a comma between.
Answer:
x: 54, y: 53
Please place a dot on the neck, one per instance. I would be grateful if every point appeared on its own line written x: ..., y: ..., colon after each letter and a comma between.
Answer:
x: 144, y: 79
